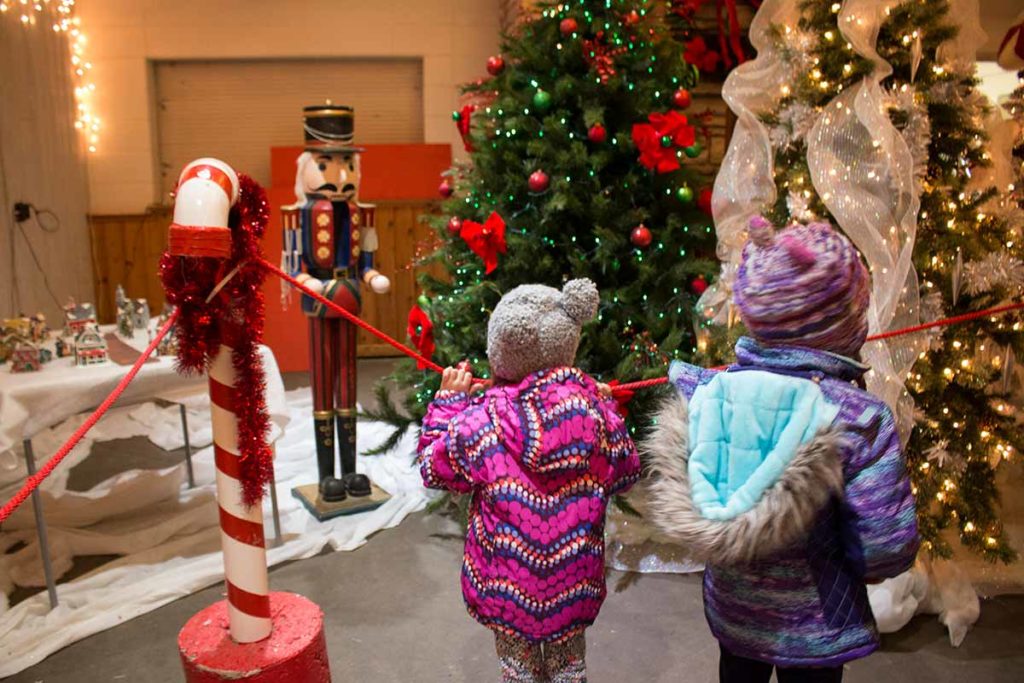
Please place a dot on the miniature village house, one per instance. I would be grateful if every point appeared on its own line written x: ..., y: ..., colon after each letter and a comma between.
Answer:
x: 77, y: 317
x: 26, y: 357
x: 90, y: 347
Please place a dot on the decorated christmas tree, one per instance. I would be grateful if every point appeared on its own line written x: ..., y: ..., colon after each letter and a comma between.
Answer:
x: 579, y: 143
x: 834, y: 77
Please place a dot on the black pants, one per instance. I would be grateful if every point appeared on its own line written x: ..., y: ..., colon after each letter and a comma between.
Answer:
x: 735, y: 669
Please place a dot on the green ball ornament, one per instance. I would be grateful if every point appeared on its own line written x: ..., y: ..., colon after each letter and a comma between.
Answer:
x: 694, y: 150
x: 423, y: 301
x: 685, y: 194
x: 666, y: 141
x: 456, y: 116
x: 542, y: 100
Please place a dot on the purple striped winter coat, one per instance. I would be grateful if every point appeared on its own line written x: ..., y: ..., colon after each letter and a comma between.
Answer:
x: 787, y: 560
x: 541, y: 458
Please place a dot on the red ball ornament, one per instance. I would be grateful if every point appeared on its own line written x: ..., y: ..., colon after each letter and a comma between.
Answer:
x: 641, y: 236
x: 454, y: 225
x: 495, y: 65
x: 597, y: 134
x: 698, y: 285
x: 568, y: 26
x: 539, y: 181
x: 632, y: 19
x: 445, y: 189
x: 682, y: 99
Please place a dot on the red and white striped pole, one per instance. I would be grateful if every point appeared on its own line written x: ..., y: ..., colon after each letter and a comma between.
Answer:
x: 241, y: 527
x: 207, y: 189
x: 273, y: 636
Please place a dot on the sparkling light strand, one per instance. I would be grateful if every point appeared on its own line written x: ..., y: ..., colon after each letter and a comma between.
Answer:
x: 65, y: 21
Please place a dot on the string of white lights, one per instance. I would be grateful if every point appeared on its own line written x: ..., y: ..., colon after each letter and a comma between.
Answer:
x: 61, y: 16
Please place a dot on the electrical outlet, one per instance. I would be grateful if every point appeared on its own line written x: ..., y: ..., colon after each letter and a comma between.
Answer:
x: 22, y: 212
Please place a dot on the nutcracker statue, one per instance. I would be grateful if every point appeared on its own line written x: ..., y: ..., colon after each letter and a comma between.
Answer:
x: 329, y: 240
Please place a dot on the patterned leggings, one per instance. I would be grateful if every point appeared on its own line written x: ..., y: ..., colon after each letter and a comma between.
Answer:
x: 526, y: 662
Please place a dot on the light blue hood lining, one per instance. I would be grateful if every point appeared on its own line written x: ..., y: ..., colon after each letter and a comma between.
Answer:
x: 745, y: 428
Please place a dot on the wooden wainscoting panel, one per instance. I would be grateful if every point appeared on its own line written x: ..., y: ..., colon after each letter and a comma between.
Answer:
x: 127, y: 249
x: 399, y: 229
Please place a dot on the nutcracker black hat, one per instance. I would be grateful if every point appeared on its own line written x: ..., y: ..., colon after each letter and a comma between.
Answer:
x: 329, y: 128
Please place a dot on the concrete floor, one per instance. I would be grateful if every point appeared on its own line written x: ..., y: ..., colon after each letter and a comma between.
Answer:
x: 394, y: 613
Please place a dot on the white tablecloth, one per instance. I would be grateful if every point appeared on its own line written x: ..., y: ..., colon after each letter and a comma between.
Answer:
x: 31, y: 402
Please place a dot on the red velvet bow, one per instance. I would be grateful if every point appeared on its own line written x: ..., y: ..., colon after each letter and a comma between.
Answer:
x: 1011, y: 50
x: 465, y: 116
x: 648, y: 139
x: 487, y: 240
x: 421, y: 332
x: 622, y: 397
x: 698, y: 54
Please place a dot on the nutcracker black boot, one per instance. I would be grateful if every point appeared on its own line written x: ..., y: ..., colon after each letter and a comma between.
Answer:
x: 355, y: 484
x: 332, y: 489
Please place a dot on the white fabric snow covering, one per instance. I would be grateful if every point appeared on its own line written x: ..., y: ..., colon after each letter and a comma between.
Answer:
x: 168, y: 536
x: 930, y: 587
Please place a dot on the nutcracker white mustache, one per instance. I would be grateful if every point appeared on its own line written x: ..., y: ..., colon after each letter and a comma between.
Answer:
x: 322, y: 173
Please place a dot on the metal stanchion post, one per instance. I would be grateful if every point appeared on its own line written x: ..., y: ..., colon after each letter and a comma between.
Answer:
x: 44, y: 544
x: 188, y: 447
x: 273, y: 508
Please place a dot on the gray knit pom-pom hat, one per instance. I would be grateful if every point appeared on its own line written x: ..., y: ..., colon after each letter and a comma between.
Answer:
x: 535, y: 327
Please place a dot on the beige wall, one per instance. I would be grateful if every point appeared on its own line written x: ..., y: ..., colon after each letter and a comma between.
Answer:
x: 453, y: 37
x: 41, y: 162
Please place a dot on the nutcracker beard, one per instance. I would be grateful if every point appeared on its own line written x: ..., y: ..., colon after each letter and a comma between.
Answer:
x: 332, y: 374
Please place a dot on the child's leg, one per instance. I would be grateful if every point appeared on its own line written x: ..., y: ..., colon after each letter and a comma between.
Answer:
x: 808, y: 675
x: 565, y: 661
x: 521, y: 661
x: 735, y: 669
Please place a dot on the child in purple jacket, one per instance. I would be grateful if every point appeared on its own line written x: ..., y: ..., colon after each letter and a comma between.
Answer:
x: 782, y: 473
x: 541, y: 452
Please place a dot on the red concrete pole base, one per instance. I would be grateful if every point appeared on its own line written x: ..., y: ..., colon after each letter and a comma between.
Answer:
x: 295, y: 652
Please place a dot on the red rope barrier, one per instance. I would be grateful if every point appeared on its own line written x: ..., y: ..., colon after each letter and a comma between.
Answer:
x: 944, y: 322
x: 351, y: 317
x: 33, y: 482
x: 619, y: 388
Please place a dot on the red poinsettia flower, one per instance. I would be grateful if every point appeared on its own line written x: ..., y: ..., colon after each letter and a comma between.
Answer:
x: 647, y: 137
x: 698, y: 54
x: 487, y: 240
x: 622, y: 397
x: 421, y: 332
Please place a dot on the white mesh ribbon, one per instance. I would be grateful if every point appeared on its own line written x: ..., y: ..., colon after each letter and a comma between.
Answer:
x: 970, y: 35
x: 862, y: 169
x: 745, y: 185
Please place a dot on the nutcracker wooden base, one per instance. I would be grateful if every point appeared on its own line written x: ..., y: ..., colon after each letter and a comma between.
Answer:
x: 295, y: 652
x: 309, y: 496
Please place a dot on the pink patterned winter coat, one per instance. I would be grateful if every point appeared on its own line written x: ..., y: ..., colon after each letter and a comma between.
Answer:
x: 541, y: 458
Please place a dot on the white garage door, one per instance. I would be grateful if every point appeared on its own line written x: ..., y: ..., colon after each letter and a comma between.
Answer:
x: 236, y: 110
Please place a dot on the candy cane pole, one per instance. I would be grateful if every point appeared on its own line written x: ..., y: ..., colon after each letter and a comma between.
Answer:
x: 255, y: 635
x: 207, y: 189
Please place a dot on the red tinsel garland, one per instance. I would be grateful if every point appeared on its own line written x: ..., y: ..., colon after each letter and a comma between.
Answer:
x: 234, y: 316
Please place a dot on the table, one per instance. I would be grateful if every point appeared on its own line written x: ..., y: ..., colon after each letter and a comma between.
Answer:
x: 31, y: 402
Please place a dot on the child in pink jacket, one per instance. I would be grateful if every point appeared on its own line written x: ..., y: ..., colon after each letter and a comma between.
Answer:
x: 541, y: 452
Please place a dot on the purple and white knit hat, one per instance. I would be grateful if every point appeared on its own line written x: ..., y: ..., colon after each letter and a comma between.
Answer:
x: 803, y: 286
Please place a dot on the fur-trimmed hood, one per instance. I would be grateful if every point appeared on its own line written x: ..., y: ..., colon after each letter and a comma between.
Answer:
x: 784, y: 513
